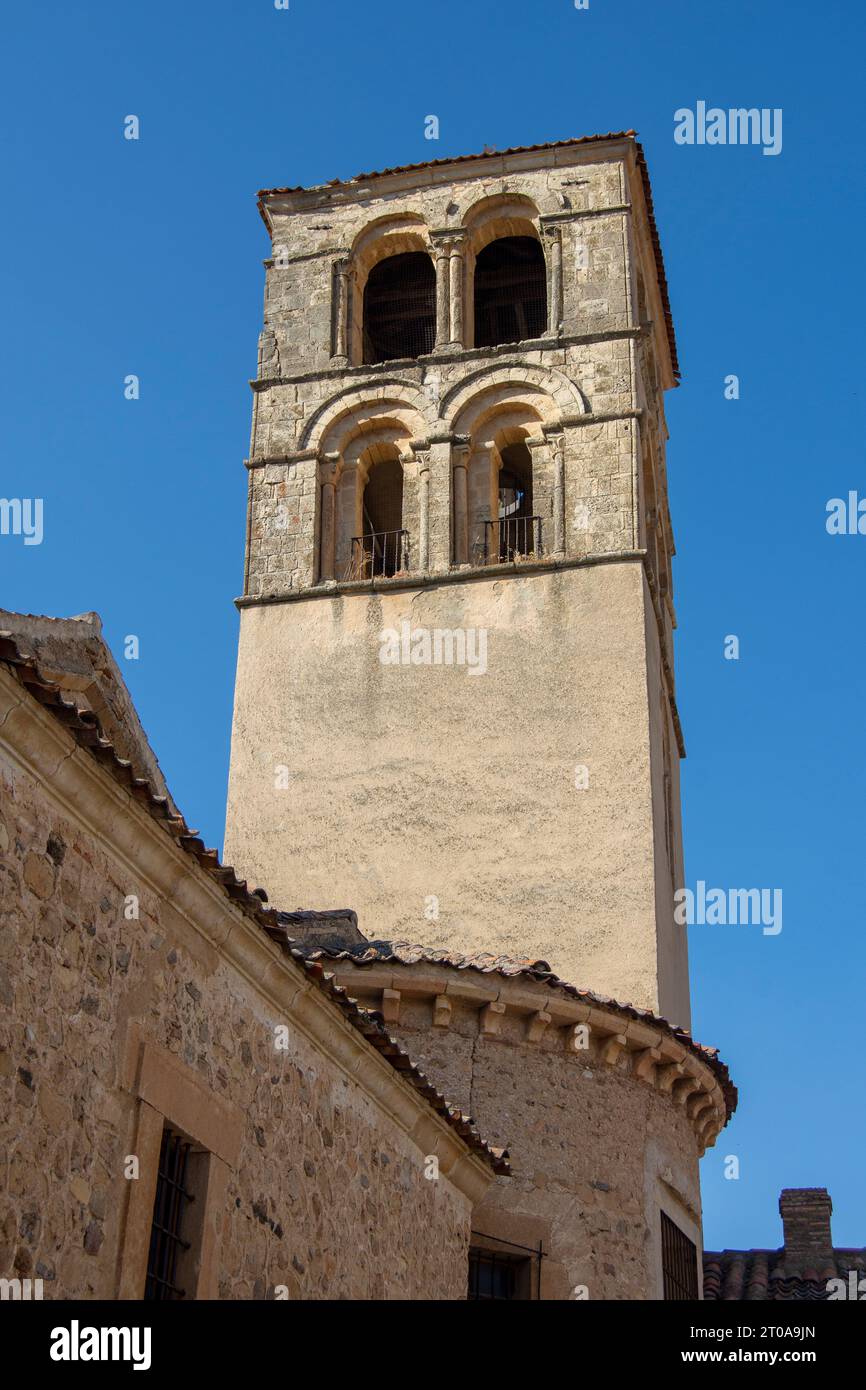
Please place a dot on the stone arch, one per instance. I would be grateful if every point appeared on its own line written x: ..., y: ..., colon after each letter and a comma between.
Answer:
x: 494, y: 411
x: 356, y: 405
x: 380, y: 240
x: 546, y: 389
x: 498, y: 217
x: 351, y: 434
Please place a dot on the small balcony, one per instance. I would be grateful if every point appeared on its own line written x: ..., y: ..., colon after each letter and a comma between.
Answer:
x: 512, y: 538
x: 379, y: 555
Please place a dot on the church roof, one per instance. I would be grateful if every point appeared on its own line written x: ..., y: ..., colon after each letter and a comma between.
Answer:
x: 85, y: 728
x: 404, y: 953
x: 491, y: 156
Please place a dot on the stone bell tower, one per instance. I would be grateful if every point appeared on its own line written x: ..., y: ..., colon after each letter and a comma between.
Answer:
x: 455, y: 707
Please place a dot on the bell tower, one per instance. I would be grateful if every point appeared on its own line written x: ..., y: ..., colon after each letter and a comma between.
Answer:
x: 455, y: 707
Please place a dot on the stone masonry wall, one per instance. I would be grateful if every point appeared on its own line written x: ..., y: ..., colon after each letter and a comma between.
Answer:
x: 595, y: 1153
x: 328, y: 1197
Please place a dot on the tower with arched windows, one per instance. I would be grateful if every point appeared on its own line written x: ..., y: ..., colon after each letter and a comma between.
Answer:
x: 455, y: 707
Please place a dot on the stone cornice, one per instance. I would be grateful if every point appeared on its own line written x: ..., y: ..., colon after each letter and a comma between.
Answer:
x: 374, y: 371
x: 645, y: 1050
x: 33, y: 740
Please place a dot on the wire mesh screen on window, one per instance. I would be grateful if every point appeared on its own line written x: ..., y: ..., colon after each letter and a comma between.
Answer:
x: 510, y: 292
x: 400, y: 308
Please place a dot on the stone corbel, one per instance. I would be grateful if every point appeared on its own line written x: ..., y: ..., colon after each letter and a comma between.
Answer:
x: 491, y: 1019
x: 441, y: 1011
x: 697, y: 1104
x: 645, y: 1062
x: 668, y: 1076
x: 537, y: 1026
x: 611, y: 1047
x: 391, y: 1005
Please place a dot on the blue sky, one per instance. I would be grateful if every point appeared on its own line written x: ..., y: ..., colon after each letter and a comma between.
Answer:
x: 144, y: 257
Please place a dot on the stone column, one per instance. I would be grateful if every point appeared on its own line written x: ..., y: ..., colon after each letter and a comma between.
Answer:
x: 460, y: 455
x: 553, y: 239
x: 456, y: 283
x: 423, y: 562
x: 340, y: 354
x: 483, y: 503
x: 440, y: 503
x: 347, y: 519
x: 328, y: 528
x: 443, y: 293
x: 557, y: 450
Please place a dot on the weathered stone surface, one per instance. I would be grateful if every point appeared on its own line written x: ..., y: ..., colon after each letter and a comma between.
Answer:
x: 328, y: 1196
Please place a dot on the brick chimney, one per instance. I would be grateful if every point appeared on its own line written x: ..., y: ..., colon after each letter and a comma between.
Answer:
x: 805, y: 1215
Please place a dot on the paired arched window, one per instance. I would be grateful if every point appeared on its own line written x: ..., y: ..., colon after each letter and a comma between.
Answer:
x: 508, y: 299
x: 510, y: 291
x: 400, y: 308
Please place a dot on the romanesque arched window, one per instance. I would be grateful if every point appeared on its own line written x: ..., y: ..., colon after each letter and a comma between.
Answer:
x: 400, y: 308
x: 381, y: 549
x: 516, y: 529
x: 510, y: 291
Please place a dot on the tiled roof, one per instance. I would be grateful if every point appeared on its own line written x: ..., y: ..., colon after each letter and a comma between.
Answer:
x: 529, y: 149
x: 405, y: 953
x: 760, y: 1276
x: 85, y: 729
x: 458, y: 159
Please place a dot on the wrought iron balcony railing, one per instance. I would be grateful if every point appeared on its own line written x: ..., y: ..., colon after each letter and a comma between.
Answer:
x: 510, y: 536
x: 379, y: 555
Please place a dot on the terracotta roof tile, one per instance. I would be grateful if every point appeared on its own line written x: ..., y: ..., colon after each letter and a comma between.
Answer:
x: 85, y: 729
x: 756, y: 1276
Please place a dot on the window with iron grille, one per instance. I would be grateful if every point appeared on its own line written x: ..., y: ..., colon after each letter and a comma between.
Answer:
x: 171, y: 1203
x: 501, y: 1270
x: 510, y: 291
x: 679, y: 1263
x: 400, y: 308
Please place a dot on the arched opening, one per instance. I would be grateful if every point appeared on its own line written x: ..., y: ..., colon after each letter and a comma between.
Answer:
x: 382, y: 548
x: 400, y: 308
x: 516, y: 520
x: 510, y: 291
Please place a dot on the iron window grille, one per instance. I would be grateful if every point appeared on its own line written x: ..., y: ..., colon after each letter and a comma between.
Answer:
x: 509, y: 1275
x: 679, y: 1263
x: 166, y: 1233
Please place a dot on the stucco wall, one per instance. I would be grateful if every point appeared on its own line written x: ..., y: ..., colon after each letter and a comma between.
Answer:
x: 412, y: 783
x: 326, y: 1193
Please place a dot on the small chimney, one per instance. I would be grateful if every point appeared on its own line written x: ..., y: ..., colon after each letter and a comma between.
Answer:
x: 805, y: 1215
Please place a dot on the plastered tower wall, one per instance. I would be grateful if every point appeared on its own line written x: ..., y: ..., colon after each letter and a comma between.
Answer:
x: 527, y: 800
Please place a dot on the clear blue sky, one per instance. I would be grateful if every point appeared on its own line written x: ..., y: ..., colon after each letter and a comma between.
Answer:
x: 119, y: 257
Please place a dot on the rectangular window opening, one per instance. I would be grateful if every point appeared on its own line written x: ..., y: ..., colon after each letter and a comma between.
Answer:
x: 168, y: 1263
x: 679, y: 1263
